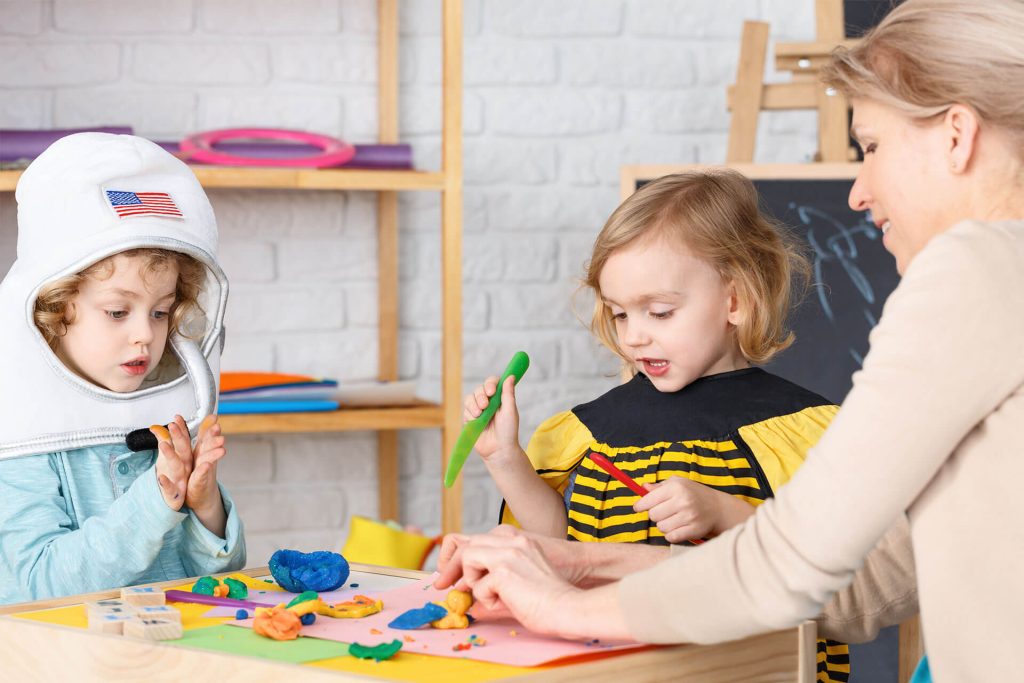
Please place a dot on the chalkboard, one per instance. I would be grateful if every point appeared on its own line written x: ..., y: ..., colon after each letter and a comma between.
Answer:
x: 852, y: 273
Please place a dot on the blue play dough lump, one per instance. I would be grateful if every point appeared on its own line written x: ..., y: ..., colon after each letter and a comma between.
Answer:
x: 317, y: 571
x: 420, y: 616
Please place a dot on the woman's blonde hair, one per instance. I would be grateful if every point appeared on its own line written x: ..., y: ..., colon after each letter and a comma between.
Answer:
x: 52, y: 313
x: 927, y: 55
x: 715, y: 214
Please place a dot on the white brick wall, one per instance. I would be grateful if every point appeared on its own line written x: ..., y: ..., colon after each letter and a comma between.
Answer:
x: 558, y: 96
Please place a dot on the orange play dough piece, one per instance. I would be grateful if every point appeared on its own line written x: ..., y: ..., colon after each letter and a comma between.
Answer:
x: 277, y: 623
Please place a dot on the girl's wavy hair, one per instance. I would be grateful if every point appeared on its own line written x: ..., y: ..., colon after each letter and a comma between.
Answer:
x: 715, y: 214
x: 927, y: 55
x: 53, y: 314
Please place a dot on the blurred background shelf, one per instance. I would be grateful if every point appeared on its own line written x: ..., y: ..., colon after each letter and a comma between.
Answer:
x: 241, y: 177
x: 420, y: 415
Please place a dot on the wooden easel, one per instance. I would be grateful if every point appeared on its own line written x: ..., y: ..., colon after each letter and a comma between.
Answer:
x: 751, y: 94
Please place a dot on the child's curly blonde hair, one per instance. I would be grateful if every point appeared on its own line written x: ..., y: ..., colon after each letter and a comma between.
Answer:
x: 715, y: 214
x: 52, y: 313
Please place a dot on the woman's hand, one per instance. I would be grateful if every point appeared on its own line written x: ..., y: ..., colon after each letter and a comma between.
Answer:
x: 502, y: 433
x: 509, y: 573
x: 203, y: 493
x: 685, y: 510
x: 570, y: 560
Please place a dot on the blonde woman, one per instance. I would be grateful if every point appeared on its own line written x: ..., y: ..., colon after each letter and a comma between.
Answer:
x: 931, y: 426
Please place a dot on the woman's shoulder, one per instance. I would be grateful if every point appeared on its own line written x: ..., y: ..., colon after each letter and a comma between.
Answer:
x: 995, y: 248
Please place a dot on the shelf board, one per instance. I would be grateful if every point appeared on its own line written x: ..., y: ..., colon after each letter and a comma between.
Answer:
x: 421, y: 415
x: 297, y: 178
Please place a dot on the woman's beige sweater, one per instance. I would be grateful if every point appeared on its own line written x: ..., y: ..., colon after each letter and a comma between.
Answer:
x: 933, y: 426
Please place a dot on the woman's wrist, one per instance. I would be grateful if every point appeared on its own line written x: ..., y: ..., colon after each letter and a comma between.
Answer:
x: 590, y: 613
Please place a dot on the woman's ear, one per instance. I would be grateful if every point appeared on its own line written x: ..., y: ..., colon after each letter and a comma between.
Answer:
x: 960, y: 125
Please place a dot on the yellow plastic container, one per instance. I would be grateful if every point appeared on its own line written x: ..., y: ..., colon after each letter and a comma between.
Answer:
x: 373, y: 542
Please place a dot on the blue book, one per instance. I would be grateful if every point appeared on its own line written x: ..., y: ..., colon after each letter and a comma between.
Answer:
x: 248, y: 407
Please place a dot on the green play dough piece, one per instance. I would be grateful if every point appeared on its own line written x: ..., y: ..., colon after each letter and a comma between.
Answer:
x: 377, y: 652
x: 205, y: 585
x: 236, y: 589
x: 303, y: 597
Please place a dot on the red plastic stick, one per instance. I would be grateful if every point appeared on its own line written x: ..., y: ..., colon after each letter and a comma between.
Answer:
x: 614, y: 471
x: 606, y: 465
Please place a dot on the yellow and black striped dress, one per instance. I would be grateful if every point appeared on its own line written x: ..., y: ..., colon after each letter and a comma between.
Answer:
x: 743, y: 432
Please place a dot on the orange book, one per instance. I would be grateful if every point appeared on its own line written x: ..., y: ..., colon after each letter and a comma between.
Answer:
x: 238, y: 381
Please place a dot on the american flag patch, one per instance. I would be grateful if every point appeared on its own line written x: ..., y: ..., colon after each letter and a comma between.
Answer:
x: 130, y: 204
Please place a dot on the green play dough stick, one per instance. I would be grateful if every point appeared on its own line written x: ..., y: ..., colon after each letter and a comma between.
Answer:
x: 472, y: 430
x: 376, y: 652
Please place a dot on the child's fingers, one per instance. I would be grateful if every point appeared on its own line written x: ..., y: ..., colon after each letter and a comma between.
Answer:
x: 166, y: 484
x: 481, y: 399
x: 210, y: 457
x: 170, y: 489
x: 160, y: 432
x: 469, y: 409
x: 686, y: 532
x: 181, y: 440
x: 211, y: 441
x: 171, y: 464
x: 209, y: 430
x: 208, y: 422
x: 658, y: 495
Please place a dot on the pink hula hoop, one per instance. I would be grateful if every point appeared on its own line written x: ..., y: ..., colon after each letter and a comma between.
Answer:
x: 199, y: 147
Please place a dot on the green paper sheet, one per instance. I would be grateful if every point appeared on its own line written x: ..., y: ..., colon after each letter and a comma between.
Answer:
x: 243, y: 641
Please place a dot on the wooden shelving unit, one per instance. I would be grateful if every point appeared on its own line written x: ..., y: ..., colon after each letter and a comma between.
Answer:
x: 241, y: 177
x: 419, y: 415
x: 446, y: 415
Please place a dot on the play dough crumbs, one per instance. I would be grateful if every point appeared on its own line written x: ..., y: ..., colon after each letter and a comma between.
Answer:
x: 376, y: 631
x: 409, y: 639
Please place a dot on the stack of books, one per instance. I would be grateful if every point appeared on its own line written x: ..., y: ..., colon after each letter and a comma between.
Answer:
x: 275, y: 392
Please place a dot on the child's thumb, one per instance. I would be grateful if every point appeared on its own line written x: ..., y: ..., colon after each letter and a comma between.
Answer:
x: 508, y: 392
x: 167, y: 486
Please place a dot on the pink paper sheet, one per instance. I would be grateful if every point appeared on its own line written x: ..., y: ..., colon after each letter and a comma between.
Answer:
x: 523, y: 649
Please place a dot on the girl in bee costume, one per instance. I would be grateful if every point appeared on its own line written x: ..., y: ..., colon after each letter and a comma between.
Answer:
x: 692, y: 287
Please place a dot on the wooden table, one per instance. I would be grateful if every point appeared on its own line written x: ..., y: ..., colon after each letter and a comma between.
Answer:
x: 35, y: 651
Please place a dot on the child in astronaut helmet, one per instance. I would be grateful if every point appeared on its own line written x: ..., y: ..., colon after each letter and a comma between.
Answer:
x: 79, y: 519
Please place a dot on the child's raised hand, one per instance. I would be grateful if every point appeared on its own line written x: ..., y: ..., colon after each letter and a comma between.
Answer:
x: 173, y: 462
x: 203, y: 494
x: 685, y: 510
x: 503, y: 430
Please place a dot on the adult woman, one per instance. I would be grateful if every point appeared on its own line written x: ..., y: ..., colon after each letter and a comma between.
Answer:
x: 931, y: 424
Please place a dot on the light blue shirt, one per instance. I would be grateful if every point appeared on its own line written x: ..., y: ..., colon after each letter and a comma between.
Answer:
x: 93, y: 519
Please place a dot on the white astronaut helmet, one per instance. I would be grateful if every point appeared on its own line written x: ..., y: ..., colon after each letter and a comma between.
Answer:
x: 87, y: 197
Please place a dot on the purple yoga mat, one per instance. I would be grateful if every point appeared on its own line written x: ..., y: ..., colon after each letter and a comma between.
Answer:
x: 367, y: 156
x: 28, y: 144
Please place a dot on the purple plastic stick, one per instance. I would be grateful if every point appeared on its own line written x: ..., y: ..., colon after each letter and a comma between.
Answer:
x: 367, y: 156
x: 28, y: 144
x: 200, y: 599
